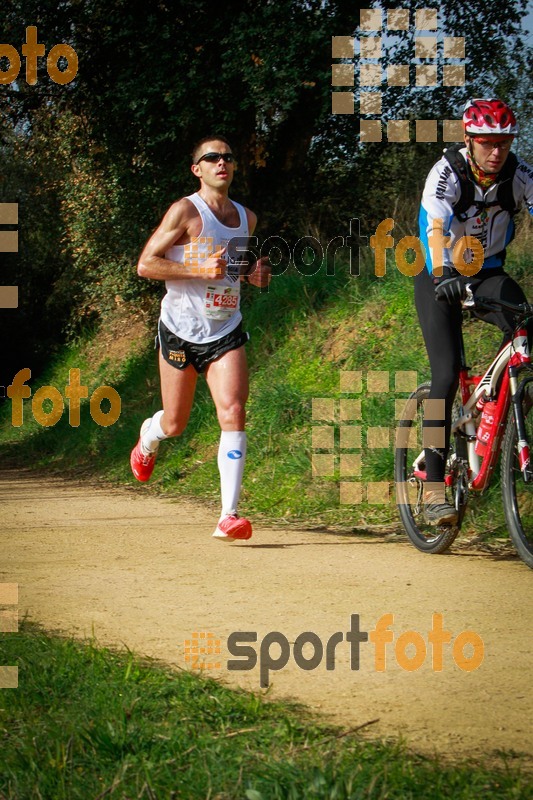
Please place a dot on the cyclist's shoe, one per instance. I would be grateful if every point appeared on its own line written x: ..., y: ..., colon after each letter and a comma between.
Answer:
x: 440, y: 514
x: 232, y: 527
x: 142, y: 462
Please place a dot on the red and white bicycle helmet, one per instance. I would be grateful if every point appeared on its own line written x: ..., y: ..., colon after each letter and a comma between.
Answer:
x: 489, y: 116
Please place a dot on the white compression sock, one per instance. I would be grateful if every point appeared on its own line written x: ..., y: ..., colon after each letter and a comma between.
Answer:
x: 231, y: 458
x: 153, y: 434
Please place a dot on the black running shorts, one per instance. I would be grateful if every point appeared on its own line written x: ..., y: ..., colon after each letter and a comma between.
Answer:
x: 180, y: 353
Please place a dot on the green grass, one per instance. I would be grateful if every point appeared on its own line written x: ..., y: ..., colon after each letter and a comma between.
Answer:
x: 305, y: 332
x: 88, y: 722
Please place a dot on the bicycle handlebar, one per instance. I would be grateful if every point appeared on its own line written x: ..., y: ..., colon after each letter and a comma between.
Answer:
x: 521, y: 311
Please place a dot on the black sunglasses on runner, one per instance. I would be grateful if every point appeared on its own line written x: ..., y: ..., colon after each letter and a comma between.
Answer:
x: 213, y: 158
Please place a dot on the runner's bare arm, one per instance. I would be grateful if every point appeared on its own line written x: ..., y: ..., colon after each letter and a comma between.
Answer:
x: 175, y: 225
x: 261, y: 271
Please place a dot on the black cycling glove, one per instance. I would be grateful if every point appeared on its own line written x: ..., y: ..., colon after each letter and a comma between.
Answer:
x: 451, y: 290
x: 451, y: 287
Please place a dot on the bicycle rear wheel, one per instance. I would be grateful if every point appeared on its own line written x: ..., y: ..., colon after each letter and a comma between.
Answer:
x: 518, y: 495
x: 410, y: 488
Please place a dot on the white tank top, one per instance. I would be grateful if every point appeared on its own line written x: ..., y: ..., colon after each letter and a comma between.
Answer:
x: 204, y: 311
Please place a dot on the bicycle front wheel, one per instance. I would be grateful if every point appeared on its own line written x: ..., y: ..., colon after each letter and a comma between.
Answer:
x: 409, y: 486
x: 518, y: 495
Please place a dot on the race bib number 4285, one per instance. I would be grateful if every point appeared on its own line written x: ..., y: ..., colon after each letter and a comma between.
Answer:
x: 221, y: 303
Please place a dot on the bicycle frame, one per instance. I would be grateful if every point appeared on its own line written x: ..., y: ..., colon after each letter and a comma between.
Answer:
x: 495, y: 413
x: 511, y: 357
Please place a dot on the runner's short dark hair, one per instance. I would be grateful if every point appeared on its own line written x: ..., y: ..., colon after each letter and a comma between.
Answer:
x: 216, y: 137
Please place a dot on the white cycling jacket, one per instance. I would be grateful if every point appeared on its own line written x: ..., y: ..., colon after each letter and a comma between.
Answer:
x: 492, y: 226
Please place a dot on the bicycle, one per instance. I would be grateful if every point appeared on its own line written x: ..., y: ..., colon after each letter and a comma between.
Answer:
x: 492, y: 413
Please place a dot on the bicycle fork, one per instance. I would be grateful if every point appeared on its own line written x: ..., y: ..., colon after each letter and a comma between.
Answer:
x: 517, y: 394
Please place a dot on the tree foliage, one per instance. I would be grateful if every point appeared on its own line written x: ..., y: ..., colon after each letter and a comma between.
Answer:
x: 94, y: 163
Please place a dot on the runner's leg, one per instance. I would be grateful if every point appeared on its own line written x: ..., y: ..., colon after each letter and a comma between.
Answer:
x: 227, y: 378
x: 177, y: 390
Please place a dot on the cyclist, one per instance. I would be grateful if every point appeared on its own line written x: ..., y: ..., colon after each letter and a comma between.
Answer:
x: 475, y: 193
x: 200, y: 328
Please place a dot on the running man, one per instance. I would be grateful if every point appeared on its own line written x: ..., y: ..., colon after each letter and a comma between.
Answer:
x: 200, y: 328
x: 473, y: 190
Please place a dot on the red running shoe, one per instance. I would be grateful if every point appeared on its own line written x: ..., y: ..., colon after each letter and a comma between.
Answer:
x: 232, y: 527
x: 142, y: 465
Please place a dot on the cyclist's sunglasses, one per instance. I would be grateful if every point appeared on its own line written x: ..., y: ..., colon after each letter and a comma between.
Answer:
x: 492, y: 144
x: 214, y: 158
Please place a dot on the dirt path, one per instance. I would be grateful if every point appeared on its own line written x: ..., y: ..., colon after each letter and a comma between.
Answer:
x: 145, y: 572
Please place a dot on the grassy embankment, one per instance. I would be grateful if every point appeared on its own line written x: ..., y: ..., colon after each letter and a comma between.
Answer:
x: 86, y: 722
x: 305, y: 332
